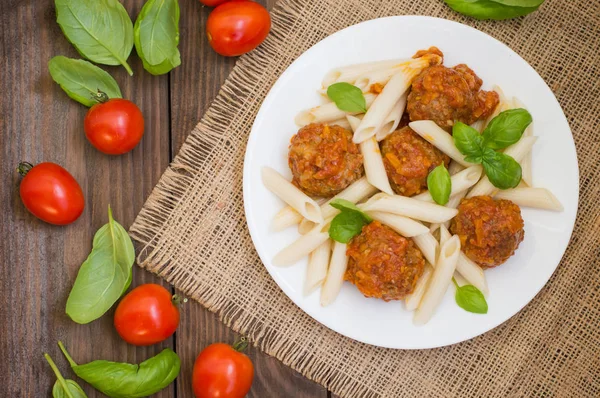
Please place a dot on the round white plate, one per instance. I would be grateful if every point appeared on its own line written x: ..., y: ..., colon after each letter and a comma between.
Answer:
x: 547, y: 234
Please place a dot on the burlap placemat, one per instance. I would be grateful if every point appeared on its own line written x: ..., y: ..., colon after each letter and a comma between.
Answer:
x: 195, y: 234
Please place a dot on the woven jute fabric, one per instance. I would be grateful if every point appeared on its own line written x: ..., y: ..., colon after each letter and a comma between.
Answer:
x: 194, y: 234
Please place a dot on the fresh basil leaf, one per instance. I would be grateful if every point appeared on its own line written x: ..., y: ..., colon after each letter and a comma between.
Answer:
x: 468, y: 141
x: 346, y: 226
x: 105, y: 274
x: 100, y: 30
x: 439, y: 184
x: 347, y: 97
x: 81, y: 79
x: 156, y: 36
x: 506, y: 128
x: 346, y: 205
x: 503, y: 171
x: 125, y: 380
x: 488, y: 9
x: 469, y: 298
x: 520, y: 3
x: 64, y: 388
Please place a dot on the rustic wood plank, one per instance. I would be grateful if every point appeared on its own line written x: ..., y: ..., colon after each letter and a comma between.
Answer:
x: 193, y: 87
x: 39, y: 262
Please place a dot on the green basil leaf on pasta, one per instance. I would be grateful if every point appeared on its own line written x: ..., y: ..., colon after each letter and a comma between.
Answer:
x: 81, y: 79
x: 469, y: 298
x: 439, y: 184
x: 125, y: 380
x: 488, y: 9
x: 347, y: 97
x: 503, y: 171
x: 100, y: 30
x: 104, y: 275
x: 346, y: 226
x: 506, y: 129
x: 346, y: 205
x: 156, y: 36
x: 468, y: 141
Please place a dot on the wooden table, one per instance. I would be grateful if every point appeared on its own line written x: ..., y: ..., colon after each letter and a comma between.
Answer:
x: 39, y: 262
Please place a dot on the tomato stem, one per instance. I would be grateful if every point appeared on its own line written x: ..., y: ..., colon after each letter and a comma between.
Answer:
x: 241, y: 344
x: 177, y: 300
x: 101, y: 97
x: 24, y: 167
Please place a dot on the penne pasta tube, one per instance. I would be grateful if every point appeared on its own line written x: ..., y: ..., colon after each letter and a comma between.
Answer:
x: 285, y: 218
x: 455, y: 167
x: 391, y: 94
x: 517, y: 151
x: 444, y: 235
x: 403, y: 225
x: 538, y: 198
x: 302, y: 247
x: 439, y: 138
x: 526, y: 171
x: 291, y: 195
x: 357, y: 191
x: 335, y: 275
x: 342, y: 123
x: 318, y: 262
x: 326, y: 113
x: 305, y: 226
x: 453, y: 203
x: 472, y: 273
x: 412, y: 300
x: 479, y: 125
x: 381, y: 76
x: 409, y: 207
x: 461, y: 181
x: 440, y: 280
x: 350, y: 73
x: 428, y: 245
x: 392, y: 120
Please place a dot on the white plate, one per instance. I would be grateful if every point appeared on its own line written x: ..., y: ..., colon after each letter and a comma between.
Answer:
x: 547, y: 234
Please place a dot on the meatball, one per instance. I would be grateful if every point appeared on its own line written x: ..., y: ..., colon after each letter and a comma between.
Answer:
x: 382, y: 264
x: 489, y: 230
x: 324, y: 160
x: 408, y: 160
x: 446, y: 95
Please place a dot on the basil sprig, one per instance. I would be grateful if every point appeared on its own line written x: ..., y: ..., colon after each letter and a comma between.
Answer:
x: 125, y: 380
x: 348, y: 223
x: 104, y: 276
x: 100, y: 30
x: 469, y: 298
x: 156, y: 36
x: 504, y: 130
x: 64, y: 388
x: 439, y: 184
x: 494, y: 9
x: 347, y: 97
x: 81, y: 79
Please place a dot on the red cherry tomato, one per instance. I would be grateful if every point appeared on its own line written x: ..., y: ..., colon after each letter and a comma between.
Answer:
x: 147, y: 315
x: 51, y: 193
x: 114, y: 126
x: 212, y: 3
x: 222, y: 371
x: 236, y: 27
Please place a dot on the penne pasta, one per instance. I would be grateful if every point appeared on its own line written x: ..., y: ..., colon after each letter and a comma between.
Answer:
x: 403, y: 225
x: 428, y: 245
x: 409, y: 207
x: 335, y: 275
x: 517, y: 151
x: 326, y: 113
x: 412, y: 300
x: 461, y: 181
x: 391, y: 94
x: 302, y: 247
x: 539, y: 198
x: 350, y: 73
x: 305, y: 226
x: 392, y: 120
x: 318, y: 262
x: 439, y: 138
x: 504, y: 104
x: 455, y: 167
x: 285, y: 218
x: 381, y: 77
x: 440, y: 280
x: 290, y: 194
x: 357, y: 191
x: 342, y: 123
x: 472, y: 272
x: 526, y: 172
x: 479, y: 125
x: 444, y: 235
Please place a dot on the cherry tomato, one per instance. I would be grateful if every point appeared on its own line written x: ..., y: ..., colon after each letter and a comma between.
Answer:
x: 51, y: 193
x: 212, y: 3
x: 222, y: 371
x: 114, y: 126
x: 236, y: 27
x: 147, y: 315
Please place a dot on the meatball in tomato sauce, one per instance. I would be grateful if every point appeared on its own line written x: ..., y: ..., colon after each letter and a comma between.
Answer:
x: 408, y: 160
x: 324, y: 160
x: 489, y: 230
x: 382, y: 264
x: 446, y: 95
